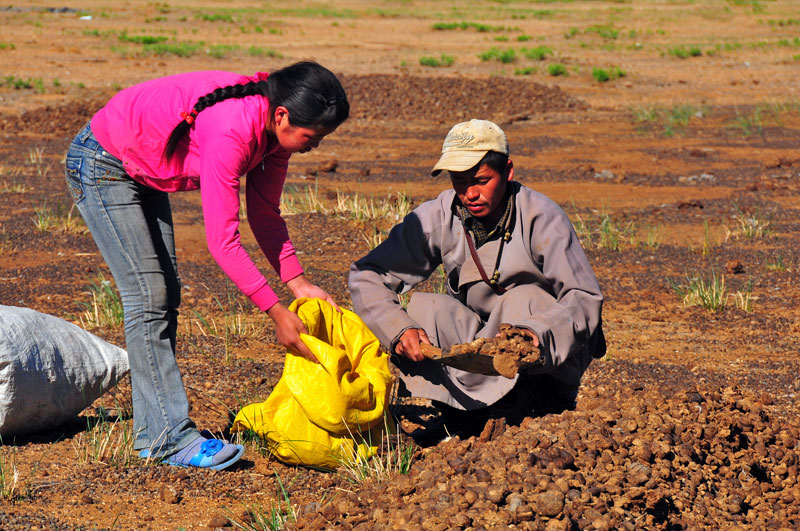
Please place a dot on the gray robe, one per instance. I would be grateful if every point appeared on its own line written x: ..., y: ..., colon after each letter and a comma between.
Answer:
x: 551, y: 290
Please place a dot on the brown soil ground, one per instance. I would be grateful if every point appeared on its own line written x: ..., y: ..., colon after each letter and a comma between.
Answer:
x: 689, y: 422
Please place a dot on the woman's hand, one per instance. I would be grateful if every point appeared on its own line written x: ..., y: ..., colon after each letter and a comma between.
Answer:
x: 288, y: 328
x: 301, y: 287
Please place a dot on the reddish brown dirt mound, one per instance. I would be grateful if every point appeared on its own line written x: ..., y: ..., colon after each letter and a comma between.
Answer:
x: 450, y: 99
x: 55, y: 120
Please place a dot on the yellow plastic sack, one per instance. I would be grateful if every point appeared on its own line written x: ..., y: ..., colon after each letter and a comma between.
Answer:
x: 328, y: 413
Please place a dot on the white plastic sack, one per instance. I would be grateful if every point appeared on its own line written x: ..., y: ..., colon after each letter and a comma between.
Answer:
x: 50, y: 370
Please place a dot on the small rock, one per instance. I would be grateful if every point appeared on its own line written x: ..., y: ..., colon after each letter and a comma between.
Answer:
x: 493, y: 429
x: 329, y: 166
x: 482, y: 475
x: 218, y: 520
x: 523, y: 513
x: 607, y: 175
x: 86, y: 499
x: 496, y: 494
x: 364, y: 172
x: 170, y: 494
x: 514, y: 500
x: 557, y: 525
x: 329, y: 512
x: 734, y: 267
x: 548, y: 503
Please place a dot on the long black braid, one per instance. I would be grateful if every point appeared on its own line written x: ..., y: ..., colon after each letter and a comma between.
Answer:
x: 312, y: 94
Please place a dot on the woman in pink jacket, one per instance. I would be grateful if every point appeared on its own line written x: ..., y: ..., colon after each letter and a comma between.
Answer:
x: 196, y: 130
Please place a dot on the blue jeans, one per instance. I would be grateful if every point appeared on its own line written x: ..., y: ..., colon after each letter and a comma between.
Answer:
x: 132, y: 227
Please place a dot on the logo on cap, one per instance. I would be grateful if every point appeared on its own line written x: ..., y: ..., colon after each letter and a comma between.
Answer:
x: 457, y: 140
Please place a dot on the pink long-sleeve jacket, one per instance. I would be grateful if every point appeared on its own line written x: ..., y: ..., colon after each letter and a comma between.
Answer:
x: 226, y: 141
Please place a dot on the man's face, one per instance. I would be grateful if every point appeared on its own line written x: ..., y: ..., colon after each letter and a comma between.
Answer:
x: 481, y: 191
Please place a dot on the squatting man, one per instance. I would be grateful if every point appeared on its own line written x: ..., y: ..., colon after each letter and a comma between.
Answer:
x: 510, y: 255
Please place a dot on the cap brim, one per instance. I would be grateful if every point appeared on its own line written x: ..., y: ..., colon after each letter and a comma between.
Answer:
x: 458, y: 161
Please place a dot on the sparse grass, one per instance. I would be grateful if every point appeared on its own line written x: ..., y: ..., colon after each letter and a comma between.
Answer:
x: 482, y: 28
x: 214, y: 17
x: 105, y: 309
x: 394, y: 457
x: 557, y: 69
x: 681, y: 114
x: 441, y: 61
x: 652, y: 236
x: 784, y: 22
x: 602, y: 75
x: 9, y: 474
x: 748, y: 123
x: 141, y: 39
x: 258, y: 51
x: 525, y: 71
x: 220, y: 51
x: 234, y: 324
x: 374, y: 238
x: 12, y: 486
x: 682, y: 52
x: 48, y: 220
x: 606, y: 32
x: 753, y: 120
x: 672, y: 119
x: 504, y: 56
x: 5, y: 242
x: 361, y: 208
x: 17, y: 83
x: 107, y: 443
x: 181, y: 49
x: 7, y: 46
x: 36, y: 159
x: 755, y: 5
x: 304, y: 200
x: 13, y: 188
x: 707, y: 243
x: 644, y: 113
x: 752, y: 226
x: 539, y: 53
x: 744, y: 299
x: 601, y: 231
x: 778, y: 264
x: 273, y: 519
x: 707, y: 293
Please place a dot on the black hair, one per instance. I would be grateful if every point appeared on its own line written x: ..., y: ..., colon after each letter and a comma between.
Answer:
x: 312, y: 94
x: 496, y: 161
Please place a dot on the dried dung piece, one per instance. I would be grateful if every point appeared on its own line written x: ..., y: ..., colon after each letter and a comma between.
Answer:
x: 511, y: 350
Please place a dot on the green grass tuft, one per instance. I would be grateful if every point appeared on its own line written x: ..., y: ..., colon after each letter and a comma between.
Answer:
x: 557, y: 69
x: 435, y: 62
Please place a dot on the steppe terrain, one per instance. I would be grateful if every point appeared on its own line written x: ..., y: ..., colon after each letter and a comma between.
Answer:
x: 668, y: 130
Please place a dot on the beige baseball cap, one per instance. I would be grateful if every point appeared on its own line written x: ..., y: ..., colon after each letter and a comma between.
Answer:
x: 467, y: 143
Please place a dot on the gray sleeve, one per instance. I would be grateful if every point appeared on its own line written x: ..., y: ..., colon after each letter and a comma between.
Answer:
x: 406, y: 258
x: 573, y: 325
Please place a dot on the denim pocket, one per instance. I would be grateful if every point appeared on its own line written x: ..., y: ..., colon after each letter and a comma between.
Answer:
x: 107, y: 167
x: 74, y: 182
